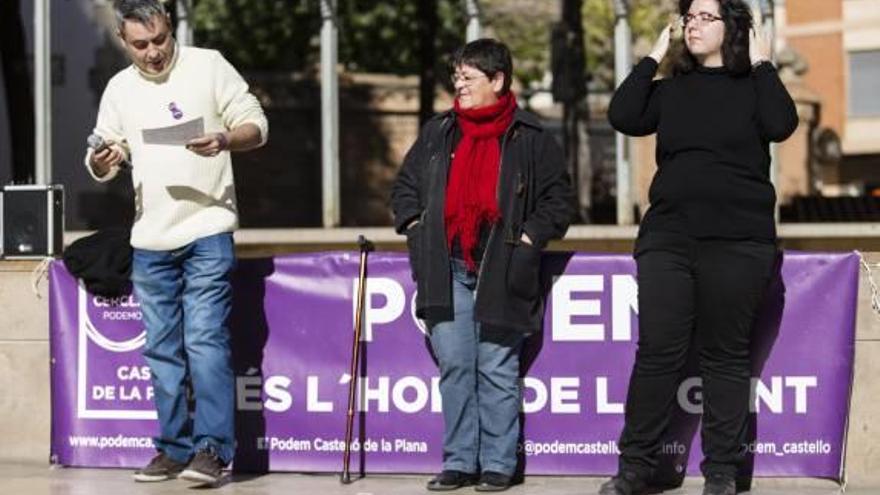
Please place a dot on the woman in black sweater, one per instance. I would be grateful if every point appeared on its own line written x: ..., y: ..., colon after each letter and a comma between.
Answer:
x: 706, y: 246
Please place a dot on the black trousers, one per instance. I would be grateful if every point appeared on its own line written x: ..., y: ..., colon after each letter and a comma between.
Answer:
x: 704, y: 293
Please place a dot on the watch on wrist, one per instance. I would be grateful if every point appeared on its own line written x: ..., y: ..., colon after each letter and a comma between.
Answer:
x: 223, y: 141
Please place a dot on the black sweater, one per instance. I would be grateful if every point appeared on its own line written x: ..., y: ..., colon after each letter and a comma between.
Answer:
x: 713, y: 159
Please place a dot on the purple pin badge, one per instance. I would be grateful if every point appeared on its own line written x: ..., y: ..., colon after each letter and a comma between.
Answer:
x: 175, y: 112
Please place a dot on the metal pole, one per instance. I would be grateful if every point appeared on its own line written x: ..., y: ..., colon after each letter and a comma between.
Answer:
x: 329, y: 115
x: 184, y: 28
x: 622, y: 66
x: 43, y: 91
x: 769, y: 26
x: 474, y: 30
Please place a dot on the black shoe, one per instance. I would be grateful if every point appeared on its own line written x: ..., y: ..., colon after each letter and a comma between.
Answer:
x: 451, y: 480
x: 625, y: 483
x: 206, y: 467
x: 491, y: 481
x: 719, y: 484
x: 160, y: 468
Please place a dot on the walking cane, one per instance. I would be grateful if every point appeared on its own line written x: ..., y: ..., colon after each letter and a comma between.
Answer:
x: 365, y: 247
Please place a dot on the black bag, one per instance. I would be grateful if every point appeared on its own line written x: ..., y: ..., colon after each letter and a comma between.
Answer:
x: 102, y: 260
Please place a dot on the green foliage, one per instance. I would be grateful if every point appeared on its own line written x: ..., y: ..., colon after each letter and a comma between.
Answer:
x: 379, y: 35
x: 647, y: 18
x: 383, y: 36
x: 598, y: 18
x: 284, y: 34
x: 260, y: 34
x: 525, y: 27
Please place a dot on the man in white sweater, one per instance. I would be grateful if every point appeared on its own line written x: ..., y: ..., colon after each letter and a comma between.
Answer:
x: 185, y: 212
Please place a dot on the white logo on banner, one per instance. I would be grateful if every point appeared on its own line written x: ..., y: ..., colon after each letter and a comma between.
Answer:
x: 88, y: 332
x: 573, y: 296
x: 420, y: 323
x: 386, y: 288
x: 565, y: 306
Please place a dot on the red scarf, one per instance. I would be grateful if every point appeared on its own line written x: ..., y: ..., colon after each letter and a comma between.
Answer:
x: 471, y: 198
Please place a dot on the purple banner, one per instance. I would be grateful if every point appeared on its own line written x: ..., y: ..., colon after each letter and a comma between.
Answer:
x: 292, y: 329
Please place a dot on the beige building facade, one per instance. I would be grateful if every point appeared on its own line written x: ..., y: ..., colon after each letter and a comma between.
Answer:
x: 840, y: 42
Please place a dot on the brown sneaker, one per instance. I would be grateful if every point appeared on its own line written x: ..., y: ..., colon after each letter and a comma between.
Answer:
x: 206, y: 467
x: 160, y: 468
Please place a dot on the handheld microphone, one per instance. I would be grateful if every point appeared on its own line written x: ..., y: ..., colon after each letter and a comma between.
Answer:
x: 97, y: 143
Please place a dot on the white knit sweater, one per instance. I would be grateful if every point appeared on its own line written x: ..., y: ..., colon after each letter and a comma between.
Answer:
x: 179, y: 195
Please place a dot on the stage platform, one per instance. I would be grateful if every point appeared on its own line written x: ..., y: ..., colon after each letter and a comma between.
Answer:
x: 36, y: 479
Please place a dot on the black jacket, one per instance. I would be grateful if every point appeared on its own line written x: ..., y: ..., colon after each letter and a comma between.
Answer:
x: 103, y: 261
x: 535, y: 197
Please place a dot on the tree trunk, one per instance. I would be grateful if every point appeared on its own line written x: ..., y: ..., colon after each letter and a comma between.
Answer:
x: 570, y: 89
x: 19, y: 93
x: 427, y: 13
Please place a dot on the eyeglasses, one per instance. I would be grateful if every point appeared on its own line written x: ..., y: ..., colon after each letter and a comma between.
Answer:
x: 702, y: 17
x: 467, y: 79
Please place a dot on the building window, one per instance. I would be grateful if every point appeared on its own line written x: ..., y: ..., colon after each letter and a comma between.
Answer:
x: 864, y: 79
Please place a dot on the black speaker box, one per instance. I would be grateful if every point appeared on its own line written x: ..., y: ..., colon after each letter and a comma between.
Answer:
x: 31, y: 221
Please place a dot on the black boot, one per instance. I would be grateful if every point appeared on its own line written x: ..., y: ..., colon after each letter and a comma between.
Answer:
x: 451, y: 480
x: 491, y: 481
x: 625, y: 483
x: 719, y: 484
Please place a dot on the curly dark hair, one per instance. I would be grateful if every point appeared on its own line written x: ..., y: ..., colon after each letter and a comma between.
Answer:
x: 737, y: 18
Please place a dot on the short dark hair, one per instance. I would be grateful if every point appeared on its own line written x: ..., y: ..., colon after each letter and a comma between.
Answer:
x: 487, y: 55
x: 140, y: 11
x: 737, y: 18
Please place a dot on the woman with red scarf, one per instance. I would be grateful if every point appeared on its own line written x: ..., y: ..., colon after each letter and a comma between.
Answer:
x: 479, y: 195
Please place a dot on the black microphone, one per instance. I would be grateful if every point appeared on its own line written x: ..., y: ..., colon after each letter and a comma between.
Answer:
x: 97, y: 143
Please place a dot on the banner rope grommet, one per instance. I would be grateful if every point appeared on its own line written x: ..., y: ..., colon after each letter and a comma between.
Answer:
x: 875, y: 292
x: 40, y: 272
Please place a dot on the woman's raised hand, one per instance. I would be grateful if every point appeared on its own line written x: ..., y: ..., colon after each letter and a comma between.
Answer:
x: 759, y: 45
x: 661, y: 46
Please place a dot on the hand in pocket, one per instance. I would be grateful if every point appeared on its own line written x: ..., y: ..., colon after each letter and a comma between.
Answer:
x: 523, y: 273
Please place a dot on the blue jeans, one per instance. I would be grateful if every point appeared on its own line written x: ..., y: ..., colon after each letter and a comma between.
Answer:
x: 479, y: 385
x: 186, y: 298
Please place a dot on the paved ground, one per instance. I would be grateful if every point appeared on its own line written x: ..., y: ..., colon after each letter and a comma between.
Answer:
x: 34, y: 479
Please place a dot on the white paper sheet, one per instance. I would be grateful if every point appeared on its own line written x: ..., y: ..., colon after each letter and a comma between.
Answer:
x: 175, y: 135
